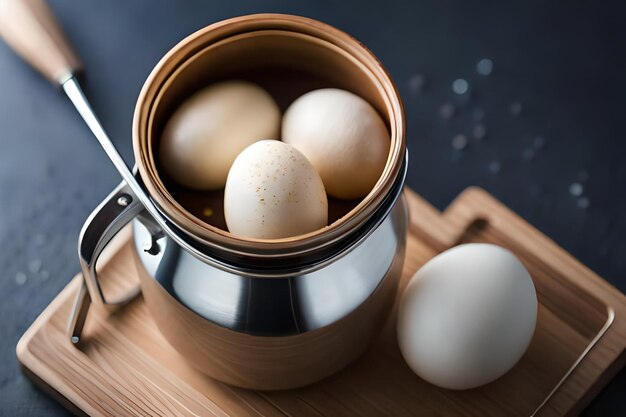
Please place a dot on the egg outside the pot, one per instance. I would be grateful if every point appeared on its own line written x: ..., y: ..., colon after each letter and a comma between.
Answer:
x: 343, y: 136
x: 272, y: 191
x: 467, y: 316
x: 207, y: 132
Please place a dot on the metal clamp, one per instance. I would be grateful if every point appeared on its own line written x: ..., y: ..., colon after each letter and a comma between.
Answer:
x: 115, y: 212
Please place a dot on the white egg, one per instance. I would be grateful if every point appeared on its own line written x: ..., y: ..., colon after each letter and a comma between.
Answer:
x: 272, y: 192
x: 343, y: 136
x: 207, y: 132
x: 467, y: 316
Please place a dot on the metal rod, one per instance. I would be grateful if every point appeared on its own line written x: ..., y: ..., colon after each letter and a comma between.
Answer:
x: 74, y: 92
x: 76, y: 95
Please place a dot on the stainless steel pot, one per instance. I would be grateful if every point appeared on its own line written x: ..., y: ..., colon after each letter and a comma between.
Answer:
x: 263, y: 314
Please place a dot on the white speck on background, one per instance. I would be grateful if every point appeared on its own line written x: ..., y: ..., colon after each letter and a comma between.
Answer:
x: 460, y: 86
x: 459, y: 142
x: 528, y: 154
x: 484, y: 66
x: 34, y: 266
x: 516, y: 108
x: 479, y: 131
x: 416, y: 84
x: 494, y: 167
x: 539, y: 142
x: 20, y: 278
x: 446, y: 111
x: 576, y: 189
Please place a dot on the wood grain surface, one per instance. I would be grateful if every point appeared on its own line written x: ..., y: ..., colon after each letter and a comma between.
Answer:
x: 125, y: 366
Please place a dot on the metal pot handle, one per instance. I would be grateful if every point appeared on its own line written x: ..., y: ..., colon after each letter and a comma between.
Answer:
x: 115, y: 212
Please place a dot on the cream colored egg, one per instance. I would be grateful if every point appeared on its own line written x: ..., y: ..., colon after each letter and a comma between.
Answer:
x: 344, y: 138
x: 467, y: 316
x: 272, y: 192
x: 207, y: 132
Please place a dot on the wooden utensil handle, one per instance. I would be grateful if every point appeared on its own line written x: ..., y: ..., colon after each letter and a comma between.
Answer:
x: 30, y: 28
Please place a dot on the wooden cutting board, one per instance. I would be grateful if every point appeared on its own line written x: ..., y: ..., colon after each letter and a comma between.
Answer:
x: 125, y: 366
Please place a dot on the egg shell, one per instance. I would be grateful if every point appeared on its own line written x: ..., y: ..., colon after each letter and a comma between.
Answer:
x: 207, y: 132
x: 272, y: 191
x: 467, y: 316
x: 343, y: 136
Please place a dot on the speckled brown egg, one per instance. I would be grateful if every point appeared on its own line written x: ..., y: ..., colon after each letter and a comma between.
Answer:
x: 272, y: 191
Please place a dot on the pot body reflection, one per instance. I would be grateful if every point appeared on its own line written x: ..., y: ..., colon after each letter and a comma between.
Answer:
x: 273, y: 333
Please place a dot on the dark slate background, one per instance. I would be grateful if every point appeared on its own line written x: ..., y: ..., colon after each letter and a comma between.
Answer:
x: 564, y: 62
